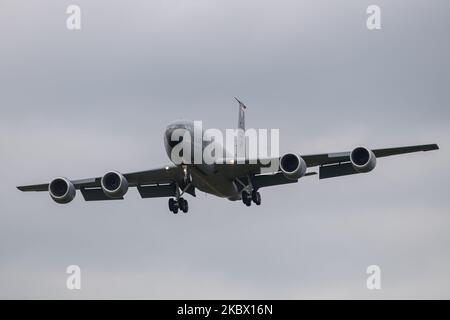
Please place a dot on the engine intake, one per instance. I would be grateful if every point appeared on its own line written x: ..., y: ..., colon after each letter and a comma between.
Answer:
x: 61, y: 190
x: 363, y: 159
x: 114, y: 184
x: 292, y: 166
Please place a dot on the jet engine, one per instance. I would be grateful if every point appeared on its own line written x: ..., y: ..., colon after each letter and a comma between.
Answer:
x: 61, y: 190
x: 292, y: 166
x: 363, y: 159
x: 114, y: 185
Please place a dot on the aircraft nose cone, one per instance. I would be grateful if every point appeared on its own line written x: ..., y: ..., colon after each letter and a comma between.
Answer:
x: 172, y: 140
x: 168, y: 134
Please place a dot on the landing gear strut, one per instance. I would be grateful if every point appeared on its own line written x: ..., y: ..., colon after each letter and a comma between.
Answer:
x: 179, y: 203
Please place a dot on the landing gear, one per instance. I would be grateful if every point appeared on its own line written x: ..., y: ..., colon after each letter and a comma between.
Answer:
x: 256, y: 197
x: 246, y: 198
x: 184, y: 206
x: 180, y: 204
x: 249, y: 193
x: 173, y: 205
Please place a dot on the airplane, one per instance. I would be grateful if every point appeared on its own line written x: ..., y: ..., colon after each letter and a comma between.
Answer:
x: 232, y: 180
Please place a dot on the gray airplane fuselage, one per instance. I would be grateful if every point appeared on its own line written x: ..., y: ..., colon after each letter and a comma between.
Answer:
x: 205, y: 177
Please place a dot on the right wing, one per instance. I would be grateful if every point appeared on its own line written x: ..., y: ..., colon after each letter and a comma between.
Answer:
x: 151, y: 183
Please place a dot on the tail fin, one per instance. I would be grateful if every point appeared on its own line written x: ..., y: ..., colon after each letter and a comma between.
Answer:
x: 241, y: 122
x: 240, y: 141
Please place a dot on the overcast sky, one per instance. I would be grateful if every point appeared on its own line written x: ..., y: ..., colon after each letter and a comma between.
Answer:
x: 81, y: 103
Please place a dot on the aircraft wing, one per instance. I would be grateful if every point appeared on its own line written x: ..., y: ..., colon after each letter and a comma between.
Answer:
x: 331, y: 165
x: 150, y: 183
x: 339, y: 157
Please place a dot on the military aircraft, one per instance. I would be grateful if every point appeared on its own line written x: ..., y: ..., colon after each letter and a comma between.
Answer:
x: 228, y: 178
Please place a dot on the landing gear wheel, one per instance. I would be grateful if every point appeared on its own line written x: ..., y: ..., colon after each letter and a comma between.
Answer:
x: 246, y: 198
x: 256, y: 197
x: 184, y: 206
x: 173, y: 205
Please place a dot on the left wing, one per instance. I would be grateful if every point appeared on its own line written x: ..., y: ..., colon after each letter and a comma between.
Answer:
x: 339, y: 157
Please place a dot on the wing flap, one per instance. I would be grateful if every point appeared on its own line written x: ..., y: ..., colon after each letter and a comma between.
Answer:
x: 160, y: 175
x: 156, y: 191
x: 336, y: 170
x: 325, y: 158
x: 95, y: 194
x: 271, y: 180
x: 274, y: 179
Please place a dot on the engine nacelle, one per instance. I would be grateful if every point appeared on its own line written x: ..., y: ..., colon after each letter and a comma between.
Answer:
x: 363, y: 159
x: 293, y: 166
x: 61, y: 190
x: 114, y: 184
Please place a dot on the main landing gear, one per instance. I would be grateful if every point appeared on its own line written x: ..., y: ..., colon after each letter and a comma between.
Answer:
x: 247, y: 198
x: 249, y: 193
x: 180, y: 204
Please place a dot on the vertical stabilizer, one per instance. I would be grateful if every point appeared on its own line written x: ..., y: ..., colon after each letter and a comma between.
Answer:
x: 240, y: 140
x: 241, y: 122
